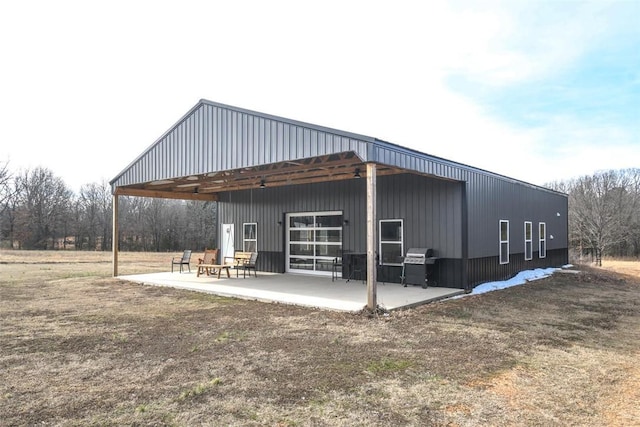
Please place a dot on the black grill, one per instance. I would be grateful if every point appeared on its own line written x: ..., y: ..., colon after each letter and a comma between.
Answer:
x: 418, y: 267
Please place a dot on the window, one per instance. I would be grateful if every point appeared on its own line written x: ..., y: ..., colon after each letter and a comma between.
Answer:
x: 250, y: 237
x: 504, y: 241
x: 528, y: 241
x: 542, y: 246
x: 391, y: 243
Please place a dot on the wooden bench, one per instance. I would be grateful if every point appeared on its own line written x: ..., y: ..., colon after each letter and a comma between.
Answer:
x: 202, y: 268
x: 238, y: 258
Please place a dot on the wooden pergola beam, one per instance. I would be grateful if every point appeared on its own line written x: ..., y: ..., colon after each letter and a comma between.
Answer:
x: 180, y: 195
x: 234, y: 179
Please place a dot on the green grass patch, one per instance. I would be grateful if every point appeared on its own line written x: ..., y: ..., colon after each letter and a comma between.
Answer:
x: 225, y: 336
x: 118, y: 337
x: 199, y: 389
x: 210, y: 298
x: 142, y: 408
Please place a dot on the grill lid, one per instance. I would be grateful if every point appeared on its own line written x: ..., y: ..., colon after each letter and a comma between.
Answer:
x: 417, y: 252
x: 417, y: 256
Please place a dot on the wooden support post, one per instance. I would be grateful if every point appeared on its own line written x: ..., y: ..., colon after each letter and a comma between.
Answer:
x: 372, y: 292
x: 114, y: 237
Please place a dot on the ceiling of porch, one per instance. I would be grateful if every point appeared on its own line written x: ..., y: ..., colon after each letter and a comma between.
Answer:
x: 326, y: 168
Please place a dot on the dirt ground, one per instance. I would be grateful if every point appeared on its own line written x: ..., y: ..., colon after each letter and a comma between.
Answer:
x: 78, y: 347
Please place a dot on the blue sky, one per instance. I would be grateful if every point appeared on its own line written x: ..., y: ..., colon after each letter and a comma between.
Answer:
x: 601, y: 86
x: 536, y: 90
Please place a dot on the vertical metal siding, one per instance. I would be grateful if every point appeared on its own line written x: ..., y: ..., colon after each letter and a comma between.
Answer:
x: 492, y: 199
x: 430, y: 210
x: 213, y: 138
x: 268, y: 206
x: 432, y: 214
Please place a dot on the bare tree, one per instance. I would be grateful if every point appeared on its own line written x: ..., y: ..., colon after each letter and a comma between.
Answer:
x: 600, y: 211
x: 5, y: 184
x: 7, y: 200
x: 200, y: 225
x: 44, y: 201
x: 94, y: 220
x: 156, y: 221
x: 132, y: 211
x: 630, y: 243
x: 38, y: 211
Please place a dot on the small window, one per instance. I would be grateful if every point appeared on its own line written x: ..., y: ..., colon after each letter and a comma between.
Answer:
x: 391, y: 242
x: 504, y: 241
x: 542, y: 246
x: 528, y: 241
x: 250, y: 237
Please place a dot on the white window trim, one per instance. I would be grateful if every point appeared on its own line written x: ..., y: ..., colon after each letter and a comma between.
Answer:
x: 542, y: 239
x: 380, y: 241
x: 244, y: 238
x: 529, y: 240
x: 506, y: 221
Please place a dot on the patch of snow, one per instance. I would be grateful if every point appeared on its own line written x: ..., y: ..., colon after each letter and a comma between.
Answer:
x: 519, y: 279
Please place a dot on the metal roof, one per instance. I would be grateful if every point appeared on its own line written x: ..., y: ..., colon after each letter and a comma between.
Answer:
x: 216, y: 147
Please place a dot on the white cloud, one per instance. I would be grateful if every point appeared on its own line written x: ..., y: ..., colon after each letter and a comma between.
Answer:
x: 573, y: 148
x: 514, y: 42
x: 104, y: 81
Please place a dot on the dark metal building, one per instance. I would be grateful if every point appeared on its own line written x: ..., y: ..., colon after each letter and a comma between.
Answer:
x: 290, y: 190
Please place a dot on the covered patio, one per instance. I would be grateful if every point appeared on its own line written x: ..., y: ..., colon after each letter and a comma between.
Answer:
x: 222, y: 153
x: 308, y: 291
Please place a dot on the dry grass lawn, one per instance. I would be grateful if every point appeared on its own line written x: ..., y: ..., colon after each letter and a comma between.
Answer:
x: 78, y: 347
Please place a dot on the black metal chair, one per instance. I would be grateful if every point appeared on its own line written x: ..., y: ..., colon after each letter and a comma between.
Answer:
x: 250, y: 264
x: 380, y: 275
x: 357, y: 266
x: 336, y: 269
x: 185, y: 259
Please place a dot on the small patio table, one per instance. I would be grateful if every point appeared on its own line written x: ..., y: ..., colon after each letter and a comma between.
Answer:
x: 204, y: 267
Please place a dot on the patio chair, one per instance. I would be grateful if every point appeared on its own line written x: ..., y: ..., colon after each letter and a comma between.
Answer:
x: 185, y: 259
x: 209, y: 258
x: 357, y: 267
x: 336, y: 270
x: 249, y: 264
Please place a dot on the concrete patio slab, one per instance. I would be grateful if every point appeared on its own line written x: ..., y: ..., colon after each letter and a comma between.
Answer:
x: 309, y: 291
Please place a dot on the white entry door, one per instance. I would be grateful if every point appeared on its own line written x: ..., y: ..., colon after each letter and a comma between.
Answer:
x: 228, y: 237
x: 314, y: 240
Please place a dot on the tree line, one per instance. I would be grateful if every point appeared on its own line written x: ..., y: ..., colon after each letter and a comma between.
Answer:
x: 604, y: 217
x: 38, y: 211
